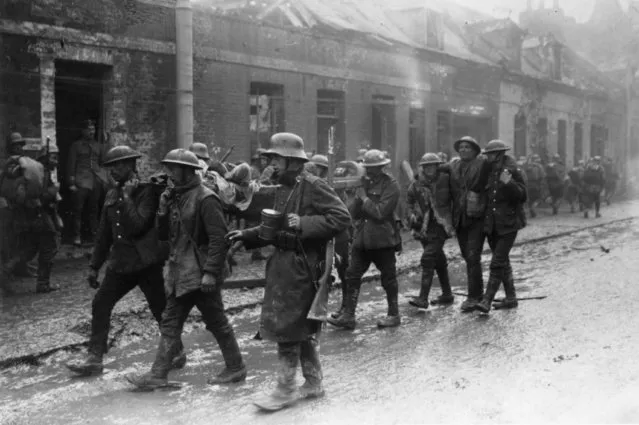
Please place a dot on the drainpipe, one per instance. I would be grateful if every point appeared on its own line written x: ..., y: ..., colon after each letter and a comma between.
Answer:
x: 184, y: 64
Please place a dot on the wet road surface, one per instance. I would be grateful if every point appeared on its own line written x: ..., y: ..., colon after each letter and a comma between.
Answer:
x: 567, y: 358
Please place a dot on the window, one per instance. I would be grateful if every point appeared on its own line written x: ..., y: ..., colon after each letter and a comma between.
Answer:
x: 520, y: 135
x: 266, y: 111
x: 598, y: 136
x: 542, y: 138
x: 444, y: 134
x: 579, y: 149
x: 330, y: 113
x: 561, y: 139
x: 416, y: 134
x: 383, y: 136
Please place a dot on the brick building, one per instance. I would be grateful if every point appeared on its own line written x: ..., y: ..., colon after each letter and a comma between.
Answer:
x: 392, y: 86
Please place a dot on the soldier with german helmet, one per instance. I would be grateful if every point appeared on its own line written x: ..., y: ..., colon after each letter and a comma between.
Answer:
x: 505, y: 216
x: 318, y: 166
x: 376, y: 240
x: 312, y: 214
x: 16, y: 144
x: 202, y: 152
x: 190, y: 218
x: 127, y: 238
x: 431, y: 222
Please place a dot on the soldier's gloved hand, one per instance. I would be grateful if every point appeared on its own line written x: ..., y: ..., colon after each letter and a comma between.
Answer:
x: 208, y: 282
x: 92, y: 278
x: 73, y: 188
x: 234, y: 236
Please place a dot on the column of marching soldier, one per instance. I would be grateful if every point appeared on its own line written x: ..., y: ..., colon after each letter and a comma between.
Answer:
x: 173, y: 230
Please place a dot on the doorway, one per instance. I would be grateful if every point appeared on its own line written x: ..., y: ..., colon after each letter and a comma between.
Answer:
x: 79, y: 96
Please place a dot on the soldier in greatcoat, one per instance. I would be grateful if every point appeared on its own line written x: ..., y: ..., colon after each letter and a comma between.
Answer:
x: 312, y: 215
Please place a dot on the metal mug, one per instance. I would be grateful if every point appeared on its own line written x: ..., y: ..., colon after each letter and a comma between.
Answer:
x: 271, y: 223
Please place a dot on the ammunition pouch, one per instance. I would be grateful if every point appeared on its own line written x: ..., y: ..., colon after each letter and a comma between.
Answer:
x: 286, y: 241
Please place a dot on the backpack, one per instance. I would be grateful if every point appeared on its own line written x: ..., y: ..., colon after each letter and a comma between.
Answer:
x: 592, y: 175
x: 22, y: 171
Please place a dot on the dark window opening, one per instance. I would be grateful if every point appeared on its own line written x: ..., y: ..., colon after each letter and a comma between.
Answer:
x: 579, y: 149
x: 520, y: 135
x: 561, y: 139
x: 384, y: 124
x: 266, y: 102
x: 416, y: 134
x: 330, y: 114
x: 444, y: 133
x: 542, y: 138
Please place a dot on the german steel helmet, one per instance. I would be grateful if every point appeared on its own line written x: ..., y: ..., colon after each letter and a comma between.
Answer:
x: 496, y: 146
x: 120, y: 153
x: 467, y: 139
x: 200, y: 150
x: 320, y: 160
x: 16, y: 138
x: 182, y: 157
x: 287, y: 145
x: 375, y: 158
x: 430, y: 158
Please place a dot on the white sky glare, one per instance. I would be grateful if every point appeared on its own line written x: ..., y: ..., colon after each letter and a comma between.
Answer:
x: 580, y: 9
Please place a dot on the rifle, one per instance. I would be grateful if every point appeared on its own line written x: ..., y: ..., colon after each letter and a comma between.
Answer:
x: 319, y: 308
x: 227, y: 154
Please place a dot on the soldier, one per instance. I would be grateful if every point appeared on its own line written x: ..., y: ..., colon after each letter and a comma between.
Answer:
x: 191, y: 219
x: 360, y: 156
x: 85, y: 180
x: 555, y: 173
x: 443, y: 156
x: 127, y: 238
x: 504, y: 218
x: 376, y: 240
x: 430, y: 218
x: 536, y: 182
x: 573, y: 187
x: 16, y: 144
x: 320, y: 165
x: 594, y: 181
x: 35, y: 223
x: 202, y: 152
x: 468, y: 178
x: 313, y: 214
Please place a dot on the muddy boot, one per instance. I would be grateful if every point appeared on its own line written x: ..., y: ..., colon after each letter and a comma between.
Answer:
x: 511, y: 296
x: 147, y: 381
x: 179, y: 361
x: 392, y: 319
x: 554, y: 210
x: 286, y: 393
x: 446, y: 298
x: 341, y: 309
x: 235, y: 370
x: 533, y: 213
x: 347, y: 319
x: 586, y: 214
x: 421, y: 301
x: 491, y: 289
x: 311, y: 370
x: 597, y: 215
x: 91, y: 366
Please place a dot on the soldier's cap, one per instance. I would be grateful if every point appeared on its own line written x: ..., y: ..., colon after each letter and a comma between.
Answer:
x: 470, y: 140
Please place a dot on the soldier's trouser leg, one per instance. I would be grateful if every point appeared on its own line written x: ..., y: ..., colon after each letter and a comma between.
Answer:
x: 211, y: 306
x: 500, y: 261
x: 48, y: 249
x: 288, y: 354
x: 471, y: 243
x: 93, y: 208
x: 360, y: 262
x: 175, y: 314
x: 80, y: 198
x: 441, y: 267
x: 385, y: 261
x: 311, y: 366
x: 113, y: 288
x: 597, y: 199
x: 151, y: 282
